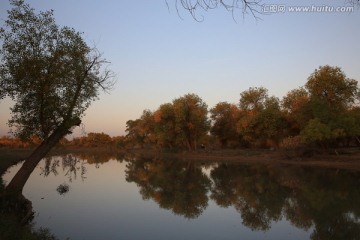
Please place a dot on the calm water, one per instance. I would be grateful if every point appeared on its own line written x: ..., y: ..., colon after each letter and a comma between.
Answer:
x: 117, y: 197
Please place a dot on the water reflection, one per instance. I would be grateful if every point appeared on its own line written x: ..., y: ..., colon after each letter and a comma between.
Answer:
x: 253, y: 192
x: 71, y: 166
x: 176, y: 185
x: 63, y: 188
x: 322, y: 202
x: 326, y: 200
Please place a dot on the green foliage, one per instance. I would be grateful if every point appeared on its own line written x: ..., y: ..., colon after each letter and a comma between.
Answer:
x: 49, y: 71
x: 323, y: 112
x: 261, y: 120
x: 330, y: 85
x: 295, y: 108
x: 224, y: 117
x: 165, y: 125
x: 191, y: 119
x: 96, y: 140
x: 316, y: 131
x: 181, y: 123
x: 141, y: 131
x: 253, y: 99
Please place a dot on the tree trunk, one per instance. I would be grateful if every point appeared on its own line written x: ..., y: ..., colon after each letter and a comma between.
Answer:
x: 17, y: 184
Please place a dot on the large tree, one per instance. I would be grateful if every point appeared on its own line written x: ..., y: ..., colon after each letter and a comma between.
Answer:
x: 165, y: 125
x: 261, y: 121
x: 330, y: 86
x: 51, y: 74
x: 332, y: 98
x: 224, y: 117
x: 295, y: 107
x: 191, y: 120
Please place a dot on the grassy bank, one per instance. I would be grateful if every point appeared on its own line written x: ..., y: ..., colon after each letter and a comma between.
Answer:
x: 10, y: 229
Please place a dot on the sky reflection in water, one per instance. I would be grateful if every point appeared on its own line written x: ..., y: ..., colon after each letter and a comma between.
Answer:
x: 171, y: 199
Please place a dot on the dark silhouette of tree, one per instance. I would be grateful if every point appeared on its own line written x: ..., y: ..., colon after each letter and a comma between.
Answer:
x: 51, y: 74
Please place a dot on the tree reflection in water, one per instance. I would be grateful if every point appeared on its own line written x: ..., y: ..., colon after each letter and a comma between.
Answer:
x: 324, y: 200
x: 71, y: 165
x: 175, y: 185
x: 74, y: 165
x: 254, y: 194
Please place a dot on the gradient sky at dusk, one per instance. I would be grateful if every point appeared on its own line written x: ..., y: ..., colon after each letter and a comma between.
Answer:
x: 158, y: 56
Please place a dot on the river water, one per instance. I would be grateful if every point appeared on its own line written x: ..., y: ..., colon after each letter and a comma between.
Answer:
x: 105, y: 196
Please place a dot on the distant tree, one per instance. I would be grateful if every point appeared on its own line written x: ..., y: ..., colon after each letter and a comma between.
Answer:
x: 165, y: 125
x: 147, y: 127
x: 332, y: 96
x: 51, y: 74
x: 134, y: 135
x: 191, y: 120
x: 316, y: 131
x: 261, y: 119
x: 224, y: 117
x: 253, y: 99
x: 141, y: 131
x: 331, y: 86
x: 98, y: 139
x: 351, y: 125
x: 119, y: 141
x: 295, y: 107
x: 181, y: 123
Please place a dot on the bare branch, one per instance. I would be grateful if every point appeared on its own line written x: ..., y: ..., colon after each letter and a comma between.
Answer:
x: 252, y: 7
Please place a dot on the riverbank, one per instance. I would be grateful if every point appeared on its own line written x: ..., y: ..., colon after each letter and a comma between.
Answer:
x: 348, y: 159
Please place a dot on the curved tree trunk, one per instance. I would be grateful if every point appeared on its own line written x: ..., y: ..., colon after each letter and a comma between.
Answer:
x: 17, y: 184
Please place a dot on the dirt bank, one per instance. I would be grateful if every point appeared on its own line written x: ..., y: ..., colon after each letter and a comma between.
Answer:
x: 345, y: 159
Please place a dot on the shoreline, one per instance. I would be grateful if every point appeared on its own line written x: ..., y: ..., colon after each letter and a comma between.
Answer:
x: 348, y: 159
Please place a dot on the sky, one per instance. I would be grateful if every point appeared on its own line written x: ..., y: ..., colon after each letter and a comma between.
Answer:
x: 158, y: 55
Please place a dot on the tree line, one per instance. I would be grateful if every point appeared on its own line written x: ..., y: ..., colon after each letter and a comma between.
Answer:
x: 90, y: 140
x: 324, y: 112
